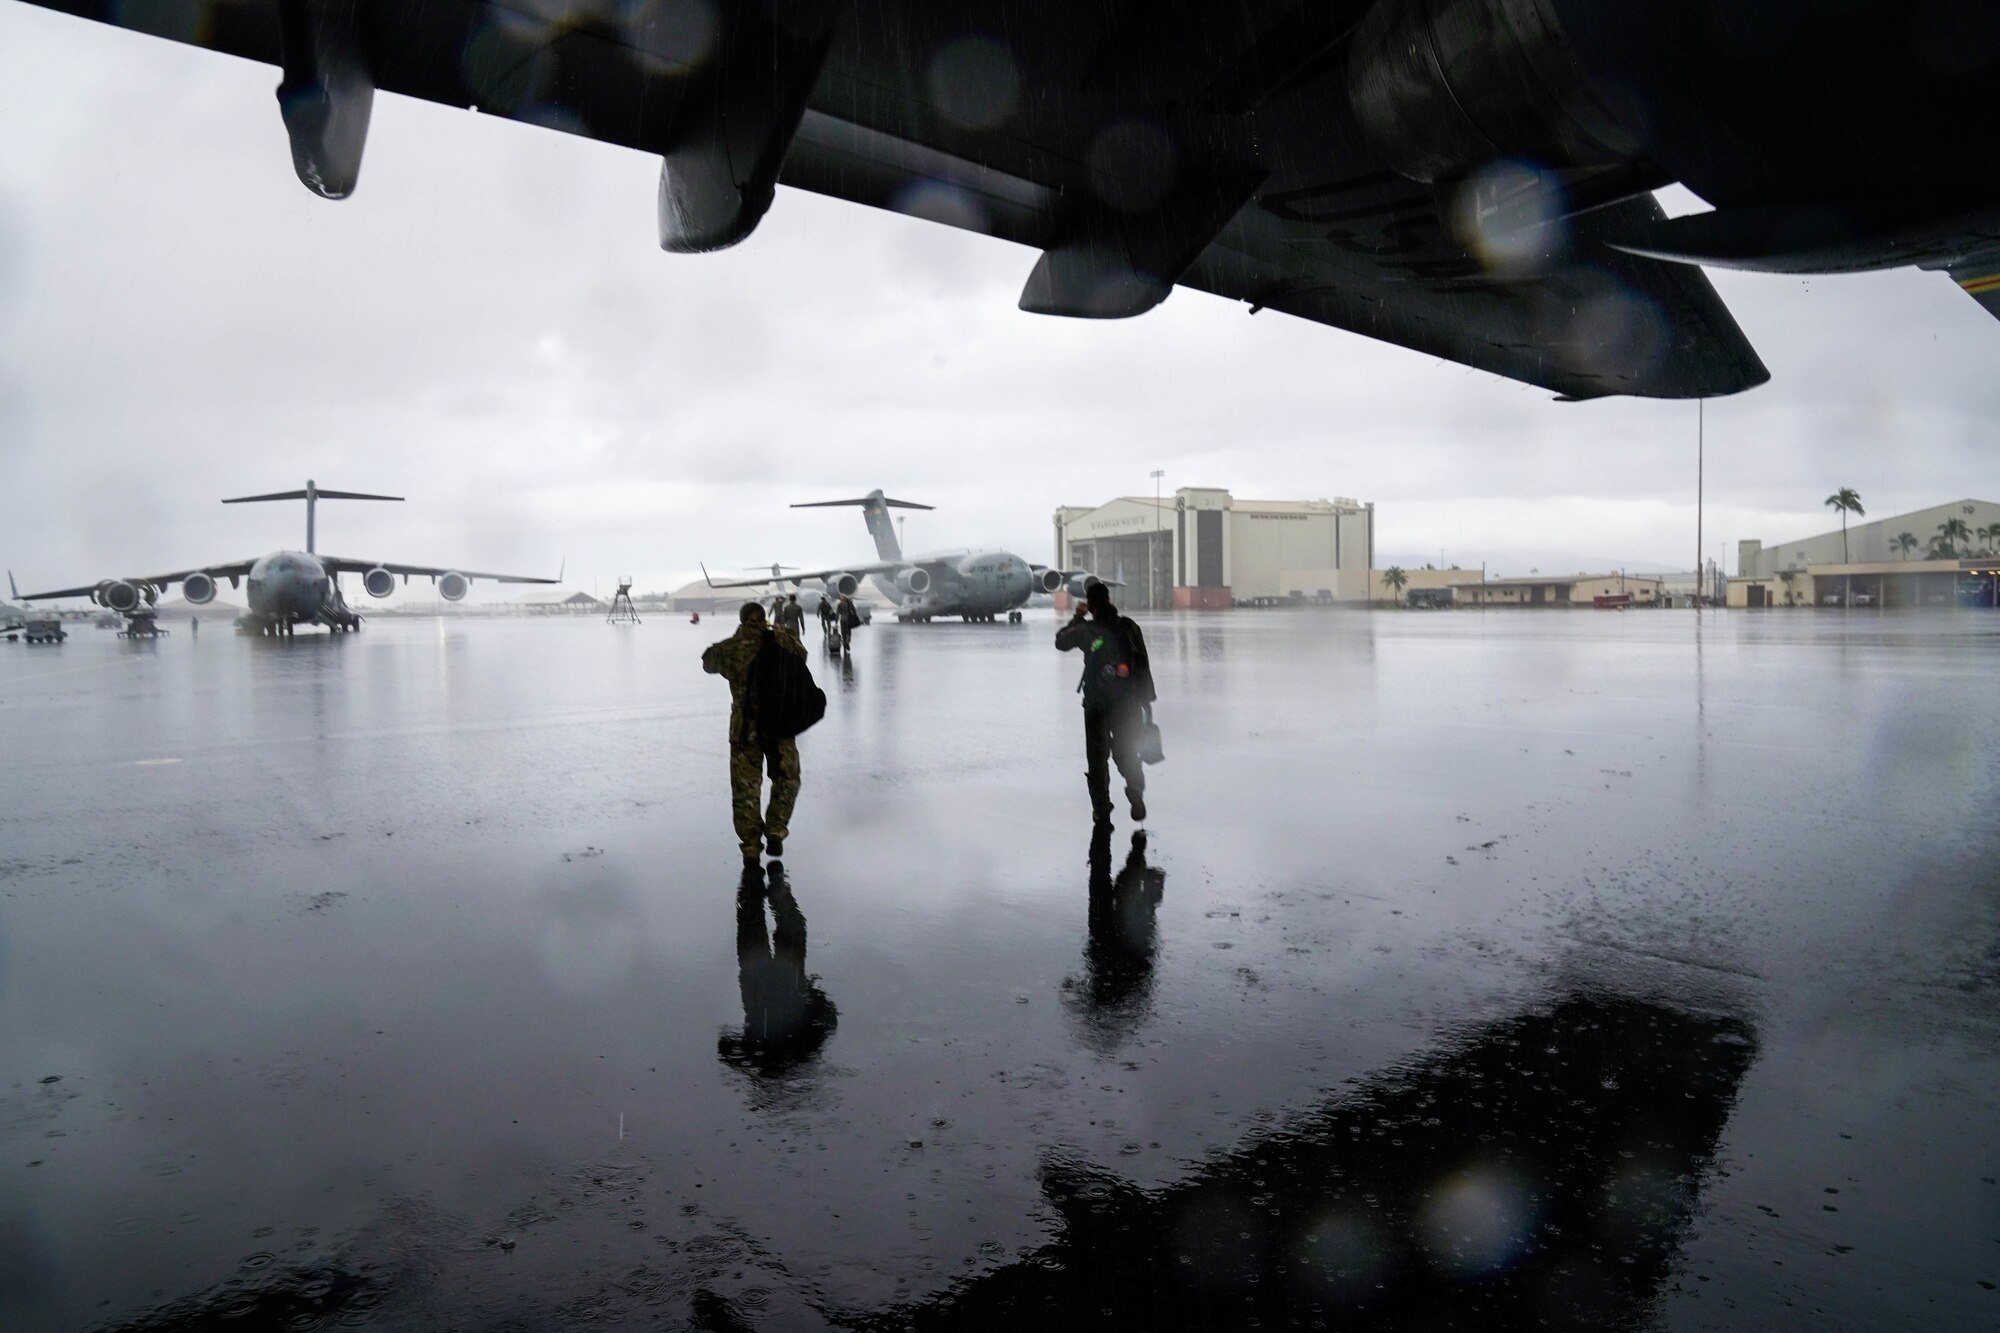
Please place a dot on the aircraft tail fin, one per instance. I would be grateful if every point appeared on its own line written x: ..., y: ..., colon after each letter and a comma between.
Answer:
x: 875, y: 508
x: 312, y: 495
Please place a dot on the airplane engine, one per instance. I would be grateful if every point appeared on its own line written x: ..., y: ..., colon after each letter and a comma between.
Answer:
x: 379, y: 582
x: 1047, y: 580
x: 118, y: 595
x: 1079, y: 584
x: 1442, y: 87
x: 836, y: 584
x: 915, y: 582
x: 198, y: 589
x: 452, y: 585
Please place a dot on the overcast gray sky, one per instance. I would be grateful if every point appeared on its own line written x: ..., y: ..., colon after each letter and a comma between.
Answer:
x: 489, y: 328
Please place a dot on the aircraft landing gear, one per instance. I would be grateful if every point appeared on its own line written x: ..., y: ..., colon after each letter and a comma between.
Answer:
x: 1013, y: 617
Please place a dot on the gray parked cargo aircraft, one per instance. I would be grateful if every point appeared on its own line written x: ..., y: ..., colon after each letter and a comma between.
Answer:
x: 973, y: 585
x: 1470, y: 178
x: 286, y: 588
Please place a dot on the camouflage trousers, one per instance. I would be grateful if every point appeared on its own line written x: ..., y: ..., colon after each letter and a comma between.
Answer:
x: 747, y: 764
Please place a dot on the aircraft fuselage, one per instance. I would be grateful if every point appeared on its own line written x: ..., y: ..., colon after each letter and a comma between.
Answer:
x: 290, y: 587
x: 969, y: 583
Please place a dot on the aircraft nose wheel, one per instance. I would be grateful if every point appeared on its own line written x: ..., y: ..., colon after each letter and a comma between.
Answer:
x: 1013, y: 617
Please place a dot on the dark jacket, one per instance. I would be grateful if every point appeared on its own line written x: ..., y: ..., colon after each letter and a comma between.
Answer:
x: 850, y: 615
x: 1106, y: 644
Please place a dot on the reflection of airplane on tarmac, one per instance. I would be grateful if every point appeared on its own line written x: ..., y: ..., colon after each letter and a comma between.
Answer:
x: 287, y: 588
x: 1542, y: 1175
x: 1469, y: 178
x: 974, y: 585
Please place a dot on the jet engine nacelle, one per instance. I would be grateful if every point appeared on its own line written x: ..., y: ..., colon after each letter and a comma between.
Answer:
x: 1442, y: 87
x: 915, y: 582
x: 837, y: 584
x: 452, y: 586
x: 379, y: 582
x: 118, y: 595
x: 198, y: 589
x: 1079, y: 584
x: 1047, y: 580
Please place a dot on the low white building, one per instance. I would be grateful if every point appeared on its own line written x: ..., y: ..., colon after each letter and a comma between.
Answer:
x: 556, y: 602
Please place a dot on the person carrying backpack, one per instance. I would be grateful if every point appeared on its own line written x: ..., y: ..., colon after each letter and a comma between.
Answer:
x: 772, y: 700
x: 849, y: 618
x: 1117, y: 688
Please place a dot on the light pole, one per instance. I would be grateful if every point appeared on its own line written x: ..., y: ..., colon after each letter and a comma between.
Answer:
x: 1152, y: 547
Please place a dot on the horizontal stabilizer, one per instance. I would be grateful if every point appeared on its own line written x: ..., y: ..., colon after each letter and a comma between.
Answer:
x: 302, y: 495
x: 865, y: 500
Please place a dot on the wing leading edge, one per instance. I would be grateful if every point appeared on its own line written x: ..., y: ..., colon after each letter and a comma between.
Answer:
x: 342, y: 565
x: 233, y: 570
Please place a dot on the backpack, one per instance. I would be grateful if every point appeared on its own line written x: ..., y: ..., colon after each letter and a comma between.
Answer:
x: 1120, y: 672
x: 779, y: 697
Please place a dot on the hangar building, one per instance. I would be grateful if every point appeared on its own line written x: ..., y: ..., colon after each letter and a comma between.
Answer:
x: 1204, y: 549
x: 1873, y: 542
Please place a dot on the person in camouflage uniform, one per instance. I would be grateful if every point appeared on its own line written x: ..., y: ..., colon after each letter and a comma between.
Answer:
x: 749, y: 759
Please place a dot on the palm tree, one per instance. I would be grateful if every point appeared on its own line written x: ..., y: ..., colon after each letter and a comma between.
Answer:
x: 1844, y: 501
x: 1786, y: 576
x: 1397, y: 579
x: 1990, y: 534
x: 1905, y: 542
x: 1950, y: 533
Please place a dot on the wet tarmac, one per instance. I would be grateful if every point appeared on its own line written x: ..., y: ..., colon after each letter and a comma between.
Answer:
x: 1562, y: 970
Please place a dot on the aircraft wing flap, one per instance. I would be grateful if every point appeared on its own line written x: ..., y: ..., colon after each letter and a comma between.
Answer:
x: 60, y: 592
x: 341, y: 565
x: 1583, y: 320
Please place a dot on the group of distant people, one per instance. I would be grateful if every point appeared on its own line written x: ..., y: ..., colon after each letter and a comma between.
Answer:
x: 772, y: 699
x: 838, y: 619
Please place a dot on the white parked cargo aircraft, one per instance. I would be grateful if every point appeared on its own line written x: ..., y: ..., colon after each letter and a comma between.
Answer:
x: 973, y: 585
x: 287, y: 588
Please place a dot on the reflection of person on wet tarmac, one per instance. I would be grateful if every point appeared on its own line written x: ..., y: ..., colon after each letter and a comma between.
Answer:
x: 849, y: 618
x: 786, y: 1016
x: 1114, y: 995
x: 1117, y: 685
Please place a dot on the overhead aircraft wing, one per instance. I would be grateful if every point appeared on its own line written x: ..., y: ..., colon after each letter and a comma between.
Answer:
x: 799, y: 577
x: 1137, y: 147
x: 235, y: 569
x: 341, y: 565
